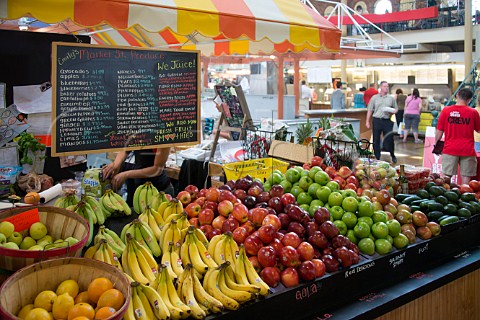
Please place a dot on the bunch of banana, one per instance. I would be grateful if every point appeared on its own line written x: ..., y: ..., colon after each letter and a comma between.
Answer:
x: 86, y: 211
x: 113, y: 204
x: 145, y: 304
x: 69, y: 198
x: 194, y: 251
x: 138, y: 262
x: 182, y: 220
x: 143, y: 234
x: 171, y: 260
x: 170, y: 233
x: 166, y: 289
x: 112, y: 239
x: 158, y: 199
x: 195, y: 296
x: 169, y: 208
x: 223, y: 248
x: 246, y: 274
x: 95, y: 207
x: 143, y: 196
x: 151, y: 217
x: 102, y: 251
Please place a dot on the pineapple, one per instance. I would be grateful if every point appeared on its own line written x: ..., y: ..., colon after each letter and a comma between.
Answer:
x: 304, y: 133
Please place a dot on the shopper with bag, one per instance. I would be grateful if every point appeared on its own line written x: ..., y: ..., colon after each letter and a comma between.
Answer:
x: 413, y: 108
x: 458, y: 123
x: 400, y: 97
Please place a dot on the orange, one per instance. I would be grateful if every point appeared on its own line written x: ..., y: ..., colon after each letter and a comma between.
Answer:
x: 104, y: 313
x: 111, y: 298
x: 32, y: 198
x: 81, y: 309
x: 81, y: 318
x: 82, y: 297
x: 97, y: 287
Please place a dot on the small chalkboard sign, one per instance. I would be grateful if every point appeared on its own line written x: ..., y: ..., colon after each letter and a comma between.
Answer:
x: 110, y: 98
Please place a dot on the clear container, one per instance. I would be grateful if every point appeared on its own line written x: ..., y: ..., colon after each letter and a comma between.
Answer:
x: 72, y: 184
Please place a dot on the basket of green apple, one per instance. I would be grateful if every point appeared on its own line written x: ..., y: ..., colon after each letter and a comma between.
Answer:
x: 33, y: 234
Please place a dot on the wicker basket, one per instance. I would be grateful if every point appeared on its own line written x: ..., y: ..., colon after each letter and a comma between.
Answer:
x: 24, y: 285
x: 61, y: 224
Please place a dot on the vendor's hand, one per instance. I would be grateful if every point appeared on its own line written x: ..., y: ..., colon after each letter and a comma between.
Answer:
x: 118, y: 180
x: 110, y: 170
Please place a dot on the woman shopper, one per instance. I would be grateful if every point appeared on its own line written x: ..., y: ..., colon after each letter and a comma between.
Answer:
x: 401, y: 97
x: 413, y: 108
x: 358, y: 101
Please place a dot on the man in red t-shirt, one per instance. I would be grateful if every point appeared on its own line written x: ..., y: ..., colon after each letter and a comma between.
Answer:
x: 369, y: 93
x: 458, y: 122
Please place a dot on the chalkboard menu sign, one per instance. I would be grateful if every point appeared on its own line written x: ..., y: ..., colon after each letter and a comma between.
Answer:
x: 109, y: 98
x: 232, y: 98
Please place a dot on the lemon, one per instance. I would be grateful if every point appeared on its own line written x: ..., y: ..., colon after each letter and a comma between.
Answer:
x: 45, y: 300
x: 38, y: 314
x: 68, y: 286
x: 25, y: 310
x: 62, y: 306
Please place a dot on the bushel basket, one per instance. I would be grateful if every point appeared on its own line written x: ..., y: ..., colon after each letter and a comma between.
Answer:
x: 24, y: 285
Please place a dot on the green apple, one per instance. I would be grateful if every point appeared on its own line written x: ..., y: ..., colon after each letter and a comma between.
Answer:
x: 367, y: 246
x: 71, y: 240
x: 15, y: 237
x: 351, y: 236
x: 292, y: 175
x: 304, y: 173
x: 287, y: 185
x: 312, y: 189
x: 7, y: 228
x: 350, y: 204
x: 333, y: 185
x: 11, y: 245
x: 304, y: 198
x: 341, y: 226
x: 304, y: 206
x: 361, y: 229
x: 267, y: 186
x: 36, y: 248
x: 365, y: 209
x: 322, y: 178
x: 389, y: 239
x: 27, y: 242
x: 38, y: 230
x: 350, y: 219
x: 379, y: 230
x: 45, y: 240
x: 336, y: 212
x: 313, y: 171
x: 335, y: 199
x: 367, y: 220
x: 3, y: 239
x: 379, y: 216
x: 383, y: 246
x: 394, y: 227
x: 322, y: 193
x: 400, y: 241
x: 305, y: 182
x: 296, y: 190
x: 349, y: 193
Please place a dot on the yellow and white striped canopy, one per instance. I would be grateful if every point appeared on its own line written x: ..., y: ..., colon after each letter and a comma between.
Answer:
x: 215, y: 27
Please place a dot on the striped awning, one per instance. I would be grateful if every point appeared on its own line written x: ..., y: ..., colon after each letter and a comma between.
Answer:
x: 215, y: 27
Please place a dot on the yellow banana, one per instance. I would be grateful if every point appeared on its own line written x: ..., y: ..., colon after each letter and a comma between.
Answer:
x: 174, y: 298
x: 167, y: 261
x: 106, y: 256
x: 180, y: 279
x: 203, y: 298
x: 238, y: 295
x: 158, y: 218
x: 152, y: 223
x: 98, y: 255
x: 159, y: 308
x: 111, y: 241
x: 230, y: 282
x: 124, y: 206
x: 113, y: 256
x: 175, y: 260
x: 184, y: 253
x: 189, y: 298
x: 210, y: 285
x: 133, y: 266
x: 241, y: 275
x: 147, y: 271
x: 152, y: 264
x: 175, y: 312
x: 183, y: 221
x: 158, y: 199
x: 219, y: 251
x: 212, y: 243
x: 163, y: 207
x: 166, y: 235
x: 125, y: 267
x: 252, y: 274
x: 194, y: 255
x: 145, y: 303
x: 229, y: 255
x: 178, y: 206
x: 138, y: 308
x: 150, y: 239
x: 201, y: 237
x: 91, y: 251
x: 130, y: 314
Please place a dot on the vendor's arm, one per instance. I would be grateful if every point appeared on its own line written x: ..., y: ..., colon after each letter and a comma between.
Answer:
x: 438, y: 135
x: 161, y: 157
x: 113, y: 168
x: 369, y: 118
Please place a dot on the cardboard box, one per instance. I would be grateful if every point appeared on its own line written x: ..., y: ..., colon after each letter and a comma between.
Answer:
x: 290, y: 152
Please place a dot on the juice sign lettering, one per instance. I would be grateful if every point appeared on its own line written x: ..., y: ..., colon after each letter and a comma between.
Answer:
x: 24, y: 220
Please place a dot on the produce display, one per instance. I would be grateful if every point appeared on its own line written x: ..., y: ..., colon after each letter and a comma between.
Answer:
x: 376, y: 174
x: 418, y: 177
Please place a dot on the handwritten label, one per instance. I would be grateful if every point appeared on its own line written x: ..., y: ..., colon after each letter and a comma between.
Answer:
x: 306, y: 292
x: 358, y: 269
x: 423, y: 249
x: 372, y: 297
x: 24, y: 220
x: 397, y: 260
x: 419, y: 275
x: 324, y: 317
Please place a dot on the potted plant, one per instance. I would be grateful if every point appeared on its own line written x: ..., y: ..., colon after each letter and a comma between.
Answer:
x: 32, y: 152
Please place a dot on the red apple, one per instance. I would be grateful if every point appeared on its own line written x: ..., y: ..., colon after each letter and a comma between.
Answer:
x: 475, y: 185
x: 202, y: 193
x: 249, y: 226
x: 330, y: 171
x: 252, y: 245
x: 319, y: 268
x: 271, y: 276
x: 168, y: 196
x: 263, y: 197
x: 273, y: 220
x: 193, y: 209
x: 193, y: 190
x: 340, y: 241
x: 305, y: 251
x: 257, y: 216
x: 254, y: 191
x: 211, y: 205
x: 289, y: 256
x: 311, y: 227
x: 267, y: 233
x: 213, y: 233
x: 276, y: 190
x: 277, y: 245
x: 306, y: 271
x: 352, y: 179
x: 316, y: 161
x: 331, y: 264
x: 329, y: 229
x: 343, y: 256
x: 267, y: 257
x: 291, y: 239
x: 200, y: 201
x: 218, y: 222
x: 240, y: 212
x: 194, y: 222
x: 229, y: 225
x: 205, y: 216
x: 284, y: 220
x: 289, y: 277
x: 184, y: 197
x: 226, y: 195
x: 341, y: 182
x: 240, y: 234
x: 206, y: 229
x: 276, y: 204
x: 240, y: 194
x: 318, y: 240
x: 249, y: 201
x: 224, y: 208
x: 344, y: 172
x: 256, y: 265
x: 296, y: 227
x: 212, y: 194
x: 287, y: 198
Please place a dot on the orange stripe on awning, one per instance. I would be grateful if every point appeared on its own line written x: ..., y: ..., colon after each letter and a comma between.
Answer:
x: 95, y: 12
x: 130, y: 39
x: 229, y: 22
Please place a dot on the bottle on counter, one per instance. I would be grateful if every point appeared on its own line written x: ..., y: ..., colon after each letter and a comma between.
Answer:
x: 403, y: 181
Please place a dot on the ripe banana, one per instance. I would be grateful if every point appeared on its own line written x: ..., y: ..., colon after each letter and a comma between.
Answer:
x: 129, y: 259
x: 130, y: 314
x: 168, y: 262
x: 138, y: 308
x: 161, y: 209
x: 145, y: 303
x: 148, y: 218
x: 175, y: 312
x: 112, y: 256
x: 252, y: 275
x: 149, y: 238
x: 145, y: 266
x: 203, y: 298
x: 120, y: 203
x: 210, y: 282
x: 174, y: 298
x: 90, y: 252
x: 175, y: 259
x: 238, y: 295
x: 189, y: 298
x: 159, y: 308
x: 112, y: 239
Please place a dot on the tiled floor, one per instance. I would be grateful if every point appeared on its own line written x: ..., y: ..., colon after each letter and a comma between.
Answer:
x: 407, y: 153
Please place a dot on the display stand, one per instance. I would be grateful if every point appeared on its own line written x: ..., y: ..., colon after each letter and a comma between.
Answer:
x: 235, y: 117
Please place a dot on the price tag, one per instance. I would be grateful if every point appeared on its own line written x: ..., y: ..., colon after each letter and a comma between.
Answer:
x: 24, y: 220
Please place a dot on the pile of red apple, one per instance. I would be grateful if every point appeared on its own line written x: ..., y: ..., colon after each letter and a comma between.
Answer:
x: 283, y: 242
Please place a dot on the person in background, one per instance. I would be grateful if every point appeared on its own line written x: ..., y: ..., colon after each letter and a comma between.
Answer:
x: 413, y: 108
x: 401, y: 106
x: 476, y: 134
x: 381, y: 121
x: 458, y: 123
x: 306, y: 91
x: 358, y: 101
x: 148, y: 166
x: 245, y: 85
x: 369, y: 93
x: 337, y: 100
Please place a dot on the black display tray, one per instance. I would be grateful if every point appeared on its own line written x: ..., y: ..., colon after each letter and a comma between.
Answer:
x: 335, y: 290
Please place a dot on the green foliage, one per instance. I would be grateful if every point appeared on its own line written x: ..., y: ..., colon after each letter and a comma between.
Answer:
x: 27, y: 142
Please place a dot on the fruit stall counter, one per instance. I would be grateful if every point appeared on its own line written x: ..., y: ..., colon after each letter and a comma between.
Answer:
x: 358, y: 113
